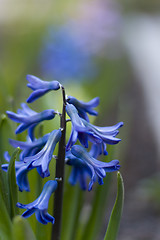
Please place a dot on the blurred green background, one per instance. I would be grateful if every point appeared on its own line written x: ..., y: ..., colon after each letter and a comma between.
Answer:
x: 109, y: 49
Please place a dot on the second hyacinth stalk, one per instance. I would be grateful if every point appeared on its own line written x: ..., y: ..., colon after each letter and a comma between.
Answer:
x: 85, y: 144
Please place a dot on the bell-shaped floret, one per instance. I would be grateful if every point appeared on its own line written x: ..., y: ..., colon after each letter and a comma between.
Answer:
x: 106, y: 134
x: 40, y: 87
x: 80, y: 170
x: 29, y: 148
x: 78, y: 128
x: 85, y: 131
x: 84, y: 107
x: 29, y: 118
x: 40, y: 205
x: 42, y: 159
x: 97, y: 168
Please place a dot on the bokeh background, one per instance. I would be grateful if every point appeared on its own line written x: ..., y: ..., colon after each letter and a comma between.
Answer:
x: 103, y: 48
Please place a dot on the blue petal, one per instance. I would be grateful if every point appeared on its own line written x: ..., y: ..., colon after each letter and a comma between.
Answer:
x: 40, y: 205
x: 15, y: 117
x: 5, y: 167
x: 83, y: 138
x: 72, y: 139
x: 26, y: 110
x: 28, y: 213
x: 110, y: 128
x: 84, y: 107
x: 82, y: 180
x: 43, y: 158
x: 36, y: 94
x: 31, y: 121
x: 76, y: 120
x: 47, y: 217
x: 40, y: 218
x: 7, y: 156
x: 29, y: 148
x: 22, y: 181
x: 40, y: 87
x: 36, y: 83
x: 48, y: 189
x: 97, y: 168
x: 73, y: 176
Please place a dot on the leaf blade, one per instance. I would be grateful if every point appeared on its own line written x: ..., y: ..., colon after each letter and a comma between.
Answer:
x: 114, y: 222
x: 22, y: 229
x: 13, y: 190
x: 5, y: 222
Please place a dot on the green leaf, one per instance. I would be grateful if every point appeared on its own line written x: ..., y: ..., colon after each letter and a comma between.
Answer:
x: 95, y: 220
x: 114, y: 222
x: 13, y: 190
x: 22, y: 229
x: 5, y: 222
x: 5, y: 130
x: 4, y: 189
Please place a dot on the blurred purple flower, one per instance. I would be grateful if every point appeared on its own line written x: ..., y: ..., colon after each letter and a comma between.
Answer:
x: 61, y: 58
x: 95, y: 26
x: 69, y: 50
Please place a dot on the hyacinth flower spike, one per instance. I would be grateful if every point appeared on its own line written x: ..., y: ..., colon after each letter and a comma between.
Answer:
x: 84, y: 107
x: 42, y: 159
x: 22, y: 170
x: 97, y: 168
x: 31, y: 119
x: 40, y: 205
x: 29, y: 148
x: 40, y: 87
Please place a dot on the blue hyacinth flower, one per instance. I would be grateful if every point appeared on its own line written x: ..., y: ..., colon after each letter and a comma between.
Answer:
x: 97, y: 168
x: 84, y: 107
x: 29, y: 148
x: 84, y: 131
x: 106, y: 134
x: 40, y: 205
x: 40, y: 87
x: 80, y: 170
x: 77, y: 127
x: 22, y: 170
x: 98, y: 149
x: 29, y: 118
x: 42, y: 159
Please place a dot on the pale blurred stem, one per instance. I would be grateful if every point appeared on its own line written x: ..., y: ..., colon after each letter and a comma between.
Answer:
x: 60, y: 162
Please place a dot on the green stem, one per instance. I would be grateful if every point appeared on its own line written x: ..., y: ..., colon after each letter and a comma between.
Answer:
x: 60, y: 162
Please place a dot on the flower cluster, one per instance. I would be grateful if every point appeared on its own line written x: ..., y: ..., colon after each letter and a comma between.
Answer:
x: 91, y: 141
